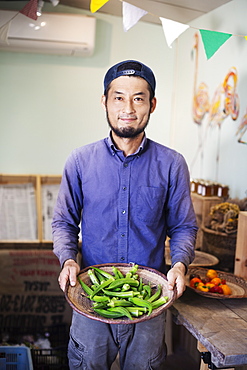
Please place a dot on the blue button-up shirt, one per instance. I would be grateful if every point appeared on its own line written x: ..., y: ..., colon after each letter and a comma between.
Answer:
x: 126, y: 206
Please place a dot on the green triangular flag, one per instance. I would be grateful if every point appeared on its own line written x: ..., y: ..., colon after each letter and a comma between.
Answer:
x: 212, y: 41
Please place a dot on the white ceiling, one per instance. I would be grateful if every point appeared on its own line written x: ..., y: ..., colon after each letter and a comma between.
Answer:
x: 182, y: 11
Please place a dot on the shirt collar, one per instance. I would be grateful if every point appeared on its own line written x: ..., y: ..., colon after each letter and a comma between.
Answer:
x: 138, y: 151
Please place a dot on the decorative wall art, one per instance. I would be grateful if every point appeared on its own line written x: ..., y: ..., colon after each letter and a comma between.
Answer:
x: 225, y: 103
x: 242, y: 128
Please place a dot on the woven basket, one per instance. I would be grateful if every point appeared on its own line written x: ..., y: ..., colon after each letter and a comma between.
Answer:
x: 83, y: 305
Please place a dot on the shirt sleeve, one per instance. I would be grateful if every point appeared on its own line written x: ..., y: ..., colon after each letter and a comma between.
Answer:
x: 67, y: 213
x: 180, y: 216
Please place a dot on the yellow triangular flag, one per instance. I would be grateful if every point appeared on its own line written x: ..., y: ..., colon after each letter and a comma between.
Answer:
x: 4, y: 31
x: 97, y: 4
x: 131, y: 15
x: 172, y: 29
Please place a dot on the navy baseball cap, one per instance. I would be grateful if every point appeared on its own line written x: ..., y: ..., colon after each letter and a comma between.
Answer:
x: 129, y: 68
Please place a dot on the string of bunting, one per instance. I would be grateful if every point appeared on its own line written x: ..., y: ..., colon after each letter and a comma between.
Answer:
x: 29, y: 10
x: 212, y: 40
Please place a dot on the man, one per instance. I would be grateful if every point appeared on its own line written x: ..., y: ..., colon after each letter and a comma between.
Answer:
x: 129, y: 193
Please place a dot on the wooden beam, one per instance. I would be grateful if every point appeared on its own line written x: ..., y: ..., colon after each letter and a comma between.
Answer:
x: 240, y: 267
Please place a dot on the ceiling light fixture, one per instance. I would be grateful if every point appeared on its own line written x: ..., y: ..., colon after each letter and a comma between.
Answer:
x: 39, y: 8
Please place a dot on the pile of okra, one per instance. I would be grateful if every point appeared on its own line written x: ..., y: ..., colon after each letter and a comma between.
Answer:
x: 117, y: 295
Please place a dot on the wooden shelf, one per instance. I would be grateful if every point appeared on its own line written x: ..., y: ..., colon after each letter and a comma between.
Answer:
x: 39, y: 183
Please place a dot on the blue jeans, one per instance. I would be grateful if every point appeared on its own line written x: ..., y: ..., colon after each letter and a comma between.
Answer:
x: 94, y: 345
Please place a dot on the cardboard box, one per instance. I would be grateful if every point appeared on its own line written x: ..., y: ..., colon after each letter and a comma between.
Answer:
x: 30, y: 296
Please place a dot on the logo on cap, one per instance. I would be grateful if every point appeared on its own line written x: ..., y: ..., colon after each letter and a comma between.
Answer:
x: 129, y: 72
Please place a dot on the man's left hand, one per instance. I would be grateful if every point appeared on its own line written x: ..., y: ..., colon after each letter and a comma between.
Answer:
x: 176, y: 276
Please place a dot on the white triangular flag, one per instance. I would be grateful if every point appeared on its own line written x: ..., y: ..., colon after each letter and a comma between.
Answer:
x: 172, y: 29
x: 4, y: 30
x: 131, y: 15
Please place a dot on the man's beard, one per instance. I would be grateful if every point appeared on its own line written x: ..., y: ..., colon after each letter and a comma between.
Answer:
x: 126, y: 132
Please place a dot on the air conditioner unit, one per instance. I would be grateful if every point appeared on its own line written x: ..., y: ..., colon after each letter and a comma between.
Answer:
x: 51, y: 33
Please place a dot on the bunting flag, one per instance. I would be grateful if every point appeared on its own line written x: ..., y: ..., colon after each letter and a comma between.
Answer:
x: 131, y: 15
x: 4, y: 31
x: 97, y: 4
x: 172, y: 29
x: 212, y: 41
x: 30, y: 9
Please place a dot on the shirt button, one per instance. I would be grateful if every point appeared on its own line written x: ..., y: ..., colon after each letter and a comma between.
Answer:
x: 122, y: 258
x: 122, y: 235
x: 123, y: 212
x: 124, y: 188
x: 126, y: 164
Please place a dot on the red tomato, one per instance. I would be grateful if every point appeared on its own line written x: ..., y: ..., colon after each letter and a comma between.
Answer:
x: 216, y: 289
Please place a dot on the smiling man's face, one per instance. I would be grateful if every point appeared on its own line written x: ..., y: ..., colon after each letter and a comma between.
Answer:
x: 128, y: 106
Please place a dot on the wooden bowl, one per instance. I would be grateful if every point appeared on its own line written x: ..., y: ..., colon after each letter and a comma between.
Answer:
x: 237, y: 284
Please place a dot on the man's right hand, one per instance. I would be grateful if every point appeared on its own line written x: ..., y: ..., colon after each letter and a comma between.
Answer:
x: 69, y: 272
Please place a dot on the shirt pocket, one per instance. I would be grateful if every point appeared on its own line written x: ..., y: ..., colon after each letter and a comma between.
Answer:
x: 150, y: 203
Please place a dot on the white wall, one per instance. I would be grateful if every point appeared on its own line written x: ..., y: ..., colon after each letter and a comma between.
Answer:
x: 51, y: 104
x: 232, y: 166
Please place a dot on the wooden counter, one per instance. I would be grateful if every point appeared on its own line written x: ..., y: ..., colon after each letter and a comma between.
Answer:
x: 220, y: 325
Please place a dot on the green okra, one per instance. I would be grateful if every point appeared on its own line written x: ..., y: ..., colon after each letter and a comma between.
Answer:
x: 125, y: 287
x: 129, y: 293
x: 142, y: 303
x: 159, y: 302
x: 104, y: 273
x: 100, y: 277
x: 120, y: 282
x: 140, y: 286
x: 99, y: 305
x: 134, y: 288
x: 134, y: 269
x: 85, y: 287
x: 117, y: 273
x: 93, y: 277
x: 136, y: 311
x: 148, y: 290
x: 100, y: 298
x: 108, y: 314
x: 121, y: 310
x: 118, y: 302
x: 100, y: 288
x: 143, y: 294
x: 156, y: 295
x: 141, y: 309
x: 94, y: 286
